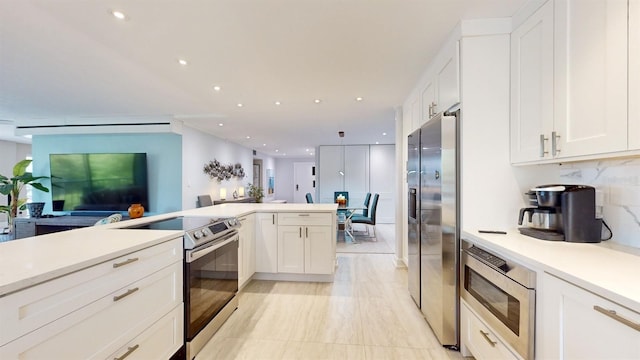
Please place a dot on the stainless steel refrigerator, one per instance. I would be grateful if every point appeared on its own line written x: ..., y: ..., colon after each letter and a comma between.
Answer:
x: 433, y: 223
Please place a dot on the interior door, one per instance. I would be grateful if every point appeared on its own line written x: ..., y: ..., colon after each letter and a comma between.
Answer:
x: 304, y: 181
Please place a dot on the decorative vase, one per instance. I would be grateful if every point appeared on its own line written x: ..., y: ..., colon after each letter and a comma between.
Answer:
x: 35, y: 209
x: 136, y: 211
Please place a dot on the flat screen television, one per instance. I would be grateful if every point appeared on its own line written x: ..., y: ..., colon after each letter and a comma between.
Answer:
x: 99, y: 181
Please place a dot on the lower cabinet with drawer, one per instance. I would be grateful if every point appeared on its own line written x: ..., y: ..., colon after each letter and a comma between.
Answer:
x: 306, y: 243
x: 478, y: 339
x: 101, y: 310
x: 579, y: 324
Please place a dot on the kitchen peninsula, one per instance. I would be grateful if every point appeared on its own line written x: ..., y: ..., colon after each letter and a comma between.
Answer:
x: 75, y: 290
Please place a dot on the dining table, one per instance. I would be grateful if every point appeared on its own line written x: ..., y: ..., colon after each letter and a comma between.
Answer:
x: 349, y: 211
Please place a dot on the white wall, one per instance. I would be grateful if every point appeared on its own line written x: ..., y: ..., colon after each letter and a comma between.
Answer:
x: 383, y: 160
x: 269, y: 163
x: 284, y: 180
x: 199, y: 148
x: 617, y: 183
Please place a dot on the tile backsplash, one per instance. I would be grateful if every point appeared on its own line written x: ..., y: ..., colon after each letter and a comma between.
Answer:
x: 617, y: 184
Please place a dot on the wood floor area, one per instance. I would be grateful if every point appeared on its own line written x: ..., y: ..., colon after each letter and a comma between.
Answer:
x: 366, y: 313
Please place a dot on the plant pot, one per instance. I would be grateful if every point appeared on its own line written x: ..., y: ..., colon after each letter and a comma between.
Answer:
x: 35, y: 209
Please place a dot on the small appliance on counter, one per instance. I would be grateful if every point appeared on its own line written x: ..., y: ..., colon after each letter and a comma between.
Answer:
x: 562, y: 213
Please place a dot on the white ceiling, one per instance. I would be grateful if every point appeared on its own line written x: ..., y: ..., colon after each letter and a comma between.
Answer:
x: 69, y: 59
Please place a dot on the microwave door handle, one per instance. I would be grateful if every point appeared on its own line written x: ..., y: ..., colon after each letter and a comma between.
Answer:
x: 196, y: 254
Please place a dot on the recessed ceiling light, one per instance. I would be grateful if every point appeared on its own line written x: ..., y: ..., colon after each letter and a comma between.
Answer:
x: 220, y: 124
x: 118, y: 14
x: 248, y: 137
x: 182, y: 62
x: 384, y: 134
x: 277, y: 150
x: 310, y: 153
x: 377, y: 142
x: 217, y: 88
x: 264, y: 144
x: 277, y: 103
x: 359, y: 98
x: 240, y: 105
x: 317, y: 101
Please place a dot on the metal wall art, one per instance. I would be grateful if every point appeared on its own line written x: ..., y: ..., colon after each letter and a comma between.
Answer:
x: 217, y: 171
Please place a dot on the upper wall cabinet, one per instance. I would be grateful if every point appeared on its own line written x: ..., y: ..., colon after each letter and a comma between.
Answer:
x: 442, y: 87
x: 590, y: 109
x: 569, y: 81
x: 634, y: 74
x: 531, y: 86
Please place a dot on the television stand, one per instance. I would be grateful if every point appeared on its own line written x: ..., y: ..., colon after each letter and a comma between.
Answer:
x: 27, y: 227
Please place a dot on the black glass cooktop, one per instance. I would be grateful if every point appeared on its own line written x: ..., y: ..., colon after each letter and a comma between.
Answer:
x: 176, y: 223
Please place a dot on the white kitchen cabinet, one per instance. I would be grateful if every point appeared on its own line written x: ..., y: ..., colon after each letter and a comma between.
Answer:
x: 306, y: 244
x: 477, y: 339
x: 442, y: 88
x: 103, y: 326
x: 36, y: 306
x: 247, y: 249
x: 319, y: 250
x: 266, y: 238
x: 634, y: 75
x: 569, y: 81
x: 579, y: 324
x: 291, y: 249
x: 532, y: 86
x: 590, y: 90
x: 429, y: 100
x: 448, y: 78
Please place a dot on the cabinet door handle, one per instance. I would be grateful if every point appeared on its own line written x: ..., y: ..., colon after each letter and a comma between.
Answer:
x: 430, y: 111
x: 300, y: 228
x: 434, y: 107
x: 542, y: 145
x: 129, y: 351
x: 554, y: 143
x: 612, y: 314
x: 303, y: 214
x: 128, y: 261
x: 306, y: 232
x: 486, y: 337
x: 129, y: 292
x: 273, y: 219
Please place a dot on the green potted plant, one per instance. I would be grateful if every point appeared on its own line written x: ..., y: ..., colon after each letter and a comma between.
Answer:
x: 256, y: 192
x: 14, y: 185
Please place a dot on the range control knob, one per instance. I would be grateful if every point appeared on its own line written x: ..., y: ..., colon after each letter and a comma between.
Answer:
x: 197, y: 234
x: 232, y: 222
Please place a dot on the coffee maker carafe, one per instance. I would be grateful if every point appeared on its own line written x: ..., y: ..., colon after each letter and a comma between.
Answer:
x: 562, y: 212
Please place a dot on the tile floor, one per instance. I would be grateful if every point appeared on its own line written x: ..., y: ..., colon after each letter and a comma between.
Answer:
x: 366, y: 313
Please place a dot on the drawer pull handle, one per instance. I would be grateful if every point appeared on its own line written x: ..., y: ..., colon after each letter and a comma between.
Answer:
x: 129, y: 292
x: 486, y: 337
x: 303, y: 214
x: 129, y: 351
x: 612, y: 314
x: 128, y: 261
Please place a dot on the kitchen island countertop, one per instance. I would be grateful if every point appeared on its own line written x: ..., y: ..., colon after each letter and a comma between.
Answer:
x: 30, y: 261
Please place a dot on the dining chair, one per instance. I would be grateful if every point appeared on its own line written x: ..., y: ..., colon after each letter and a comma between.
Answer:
x: 309, y: 198
x: 204, y: 200
x: 368, y: 220
x: 367, y: 200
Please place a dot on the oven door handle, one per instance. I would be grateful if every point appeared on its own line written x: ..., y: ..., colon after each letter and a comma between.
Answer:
x: 193, y: 255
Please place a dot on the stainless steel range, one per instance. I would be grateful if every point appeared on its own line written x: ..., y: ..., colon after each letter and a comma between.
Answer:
x: 210, y: 274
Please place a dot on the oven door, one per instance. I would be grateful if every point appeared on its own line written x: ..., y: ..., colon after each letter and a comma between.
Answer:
x: 505, y: 305
x: 211, y: 281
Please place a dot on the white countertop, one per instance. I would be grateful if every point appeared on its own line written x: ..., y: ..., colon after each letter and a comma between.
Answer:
x: 29, y: 261
x: 599, y: 268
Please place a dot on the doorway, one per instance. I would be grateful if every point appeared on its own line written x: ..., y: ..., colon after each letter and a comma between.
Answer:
x: 304, y: 181
x: 257, y: 172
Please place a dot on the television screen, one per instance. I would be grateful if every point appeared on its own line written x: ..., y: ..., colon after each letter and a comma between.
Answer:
x: 98, y: 182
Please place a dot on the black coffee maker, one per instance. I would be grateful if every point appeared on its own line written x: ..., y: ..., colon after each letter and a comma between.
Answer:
x: 570, y: 211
